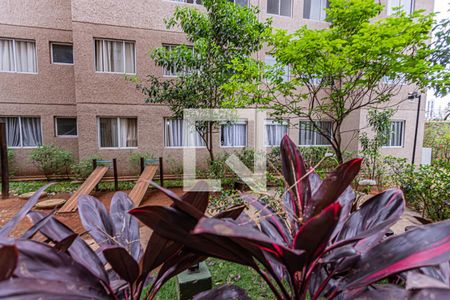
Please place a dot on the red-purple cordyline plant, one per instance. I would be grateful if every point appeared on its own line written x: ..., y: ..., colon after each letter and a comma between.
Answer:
x: 318, y: 247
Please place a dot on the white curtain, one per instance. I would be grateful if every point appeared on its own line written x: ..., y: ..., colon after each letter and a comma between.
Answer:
x: 406, y: 5
x: 275, y: 132
x: 31, y: 132
x: 177, y: 135
x: 12, y: 131
x: 234, y: 135
x: 6, y: 55
x: 315, y: 9
x: 309, y: 136
x: 26, y: 57
x: 129, y: 58
x: 108, y: 133
x: 114, y: 56
x: 128, y: 132
x: 396, y: 134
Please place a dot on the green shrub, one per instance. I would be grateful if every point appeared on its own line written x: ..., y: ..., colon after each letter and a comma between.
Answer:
x: 135, y: 160
x: 426, y: 188
x: 83, y: 169
x: 52, y: 160
x: 437, y: 137
x: 11, y: 166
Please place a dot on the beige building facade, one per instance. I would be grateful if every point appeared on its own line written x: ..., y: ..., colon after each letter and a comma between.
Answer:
x: 87, y: 106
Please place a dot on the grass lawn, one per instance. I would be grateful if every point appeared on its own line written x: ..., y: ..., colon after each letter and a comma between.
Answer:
x: 223, y: 272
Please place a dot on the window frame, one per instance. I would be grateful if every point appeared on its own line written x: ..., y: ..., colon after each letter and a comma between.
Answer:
x: 184, y: 2
x: 124, y: 57
x: 402, y: 135
x: 14, y: 40
x: 389, y: 11
x: 316, y: 20
x: 246, y: 134
x: 315, y: 134
x: 284, y: 123
x: 118, y: 133
x: 20, y: 132
x: 279, y: 10
x: 51, y: 54
x: 164, y: 70
x: 176, y: 147
x: 56, y: 127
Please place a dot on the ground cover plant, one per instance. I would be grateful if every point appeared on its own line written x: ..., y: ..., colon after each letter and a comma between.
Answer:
x: 317, y: 247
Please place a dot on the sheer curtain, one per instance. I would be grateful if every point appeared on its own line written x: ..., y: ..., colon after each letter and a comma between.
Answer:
x: 6, y: 55
x: 309, y: 136
x: 306, y: 134
x: 115, y: 56
x: 177, y: 135
x: 128, y: 132
x: 31, y: 132
x: 129, y: 58
x: 26, y: 57
x: 12, y: 131
x: 108, y: 133
x: 234, y: 135
x: 275, y: 132
x: 406, y: 5
x: 315, y: 9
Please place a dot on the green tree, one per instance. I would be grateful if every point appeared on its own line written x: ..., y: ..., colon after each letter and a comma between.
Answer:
x: 359, y: 62
x: 380, y: 123
x: 226, y: 32
x: 440, y: 79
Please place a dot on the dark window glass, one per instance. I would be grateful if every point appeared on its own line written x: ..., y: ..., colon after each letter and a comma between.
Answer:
x: 66, y: 127
x: 62, y: 54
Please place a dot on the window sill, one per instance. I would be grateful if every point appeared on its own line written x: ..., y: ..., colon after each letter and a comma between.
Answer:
x: 225, y: 147
x: 118, y: 148
x: 184, y: 147
x: 14, y: 72
x: 115, y: 73
x: 63, y: 64
x: 25, y: 147
x: 314, y: 145
x: 281, y: 16
x: 392, y: 147
x: 67, y: 136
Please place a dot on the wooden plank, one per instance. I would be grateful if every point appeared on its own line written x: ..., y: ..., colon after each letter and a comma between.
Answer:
x: 85, y: 189
x: 139, y: 190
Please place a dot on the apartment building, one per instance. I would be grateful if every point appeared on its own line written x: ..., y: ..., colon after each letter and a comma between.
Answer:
x: 63, y: 65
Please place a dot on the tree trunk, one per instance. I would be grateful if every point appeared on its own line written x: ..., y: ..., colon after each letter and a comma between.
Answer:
x: 210, y: 141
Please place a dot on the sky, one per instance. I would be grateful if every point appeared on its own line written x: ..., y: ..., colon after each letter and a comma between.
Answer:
x: 441, y: 7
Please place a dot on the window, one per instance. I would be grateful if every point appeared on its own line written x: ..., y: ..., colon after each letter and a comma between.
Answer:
x: 396, y: 136
x: 18, y: 56
x: 240, y: 2
x: 406, y: 5
x: 115, y: 56
x: 279, y: 7
x: 23, y: 132
x: 285, y: 70
x: 118, y: 132
x: 275, y: 131
x: 315, y: 9
x: 199, y: 2
x: 233, y: 134
x: 309, y: 136
x: 62, y: 54
x: 177, y: 135
x: 173, y: 71
x: 65, y: 127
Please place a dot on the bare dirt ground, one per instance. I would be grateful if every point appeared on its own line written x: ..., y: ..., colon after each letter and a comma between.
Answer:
x: 9, y: 207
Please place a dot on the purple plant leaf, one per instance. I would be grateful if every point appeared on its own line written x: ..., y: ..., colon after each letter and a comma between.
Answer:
x: 33, y: 288
x: 314, y: 234
x: 294, y: 171
x: 376, y: 215
x: 96, y: 220
x: 79, y: 250
x: 271, y: 224
x: 125, y: 227
x: 423, y: 246
x: 225, y: 292
x: 8, y: 261
x: 9, y: 226
x: 122, y: 263
x: 36, y: 227
x: 332, y: 187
